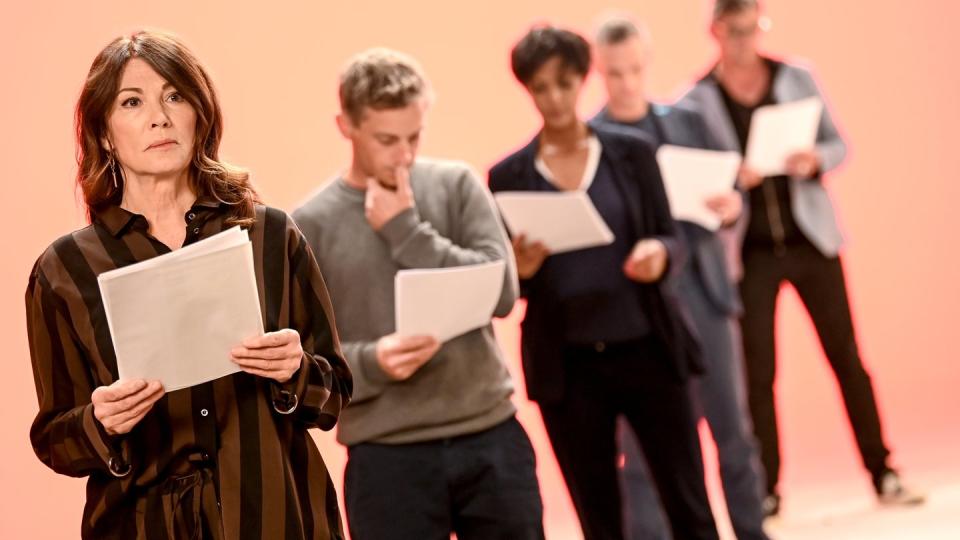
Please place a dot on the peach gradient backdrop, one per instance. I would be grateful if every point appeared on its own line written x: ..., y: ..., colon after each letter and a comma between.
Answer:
x: 888, y: 67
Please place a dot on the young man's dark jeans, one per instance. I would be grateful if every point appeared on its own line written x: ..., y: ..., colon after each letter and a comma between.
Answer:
x: 483, y: 486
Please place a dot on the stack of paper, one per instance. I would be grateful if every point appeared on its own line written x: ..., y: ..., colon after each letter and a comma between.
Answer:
x: 564, y: 221
x: 691, y: 176
x: 447, y: 302
x: 176, y: 317
x: 777, y: 131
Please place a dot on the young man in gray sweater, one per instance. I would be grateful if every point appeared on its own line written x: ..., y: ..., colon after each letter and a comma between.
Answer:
x: 433, y: 443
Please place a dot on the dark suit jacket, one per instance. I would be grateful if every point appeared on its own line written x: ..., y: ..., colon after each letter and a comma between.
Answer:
x: 637, y: 177
x: 682, y: 126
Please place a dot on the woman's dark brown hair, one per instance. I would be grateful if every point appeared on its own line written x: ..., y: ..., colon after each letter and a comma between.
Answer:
x: 171, y: 59
x: 541, y: 44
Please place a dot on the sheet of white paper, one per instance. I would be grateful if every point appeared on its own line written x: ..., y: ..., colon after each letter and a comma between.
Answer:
x: 233, y: 236
x: 447, y: 302
x: 776, y: 131
x: 175, y: 317
x: 565, y: 221
x: 691, y: 175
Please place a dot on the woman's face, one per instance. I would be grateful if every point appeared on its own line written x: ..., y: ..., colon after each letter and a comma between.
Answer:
x: 150, y: 126
x: 555, y: 89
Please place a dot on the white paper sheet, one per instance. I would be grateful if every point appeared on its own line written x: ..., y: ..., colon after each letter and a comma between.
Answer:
x: 565, y: 221
x: 175, y: 317
x: 776, y: 131
x: 447, y: 302
x: 691, y: 175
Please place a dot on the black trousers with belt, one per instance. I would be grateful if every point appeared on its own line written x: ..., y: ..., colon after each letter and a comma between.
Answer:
x: 633, y: 380
x: 819, y: 282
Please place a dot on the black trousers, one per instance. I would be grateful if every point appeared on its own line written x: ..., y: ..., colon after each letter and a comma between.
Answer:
x: 635, y: 381
x: 481, y: 486
x: 820, y: 284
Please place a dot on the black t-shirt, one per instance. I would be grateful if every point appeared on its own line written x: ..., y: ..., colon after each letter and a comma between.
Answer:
x: 771, y: 216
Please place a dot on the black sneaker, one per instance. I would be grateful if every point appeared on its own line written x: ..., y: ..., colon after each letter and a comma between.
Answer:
x: 771, y: 506
x: 892, y: 492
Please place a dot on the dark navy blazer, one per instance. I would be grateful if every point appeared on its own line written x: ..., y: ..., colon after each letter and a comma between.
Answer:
x: 631, y: 157
x: 682, y: 126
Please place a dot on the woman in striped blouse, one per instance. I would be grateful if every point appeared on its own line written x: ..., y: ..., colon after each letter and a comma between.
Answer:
x: 230, y: 458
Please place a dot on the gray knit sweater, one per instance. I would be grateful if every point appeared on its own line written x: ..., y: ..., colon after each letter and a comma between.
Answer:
x: 465, y: 388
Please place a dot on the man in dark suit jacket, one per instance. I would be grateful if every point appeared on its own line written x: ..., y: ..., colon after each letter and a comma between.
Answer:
x: 706, y: 290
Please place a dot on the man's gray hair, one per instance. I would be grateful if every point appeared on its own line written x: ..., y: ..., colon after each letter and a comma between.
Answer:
x: 726, y: 7
x: 618, y: 29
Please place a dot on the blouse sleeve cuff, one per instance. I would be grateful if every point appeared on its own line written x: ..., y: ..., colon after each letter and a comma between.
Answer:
x: 113, y: 450
x: 286, y: 396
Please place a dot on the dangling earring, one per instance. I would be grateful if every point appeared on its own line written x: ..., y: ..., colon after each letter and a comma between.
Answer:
x: 113, y: 170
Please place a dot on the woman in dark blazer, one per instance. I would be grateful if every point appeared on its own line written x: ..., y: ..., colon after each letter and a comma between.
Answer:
x: 603, y: 336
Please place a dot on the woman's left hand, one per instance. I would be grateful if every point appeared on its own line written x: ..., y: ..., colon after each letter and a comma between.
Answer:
x: 274, y: 355
x: 647, y: 262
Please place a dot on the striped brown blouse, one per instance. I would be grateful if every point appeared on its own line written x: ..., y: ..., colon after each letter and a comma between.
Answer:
x: 227, y: 459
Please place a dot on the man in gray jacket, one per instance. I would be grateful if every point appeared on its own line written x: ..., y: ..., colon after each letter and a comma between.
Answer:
x: 433, y: 443
x: 790, y: 234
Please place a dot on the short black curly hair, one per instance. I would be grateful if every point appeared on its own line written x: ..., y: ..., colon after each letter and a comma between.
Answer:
x: 543, y: 43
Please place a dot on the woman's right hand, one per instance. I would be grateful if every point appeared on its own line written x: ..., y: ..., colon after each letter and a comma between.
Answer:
x: 121, y: 405
x: 530, y: 256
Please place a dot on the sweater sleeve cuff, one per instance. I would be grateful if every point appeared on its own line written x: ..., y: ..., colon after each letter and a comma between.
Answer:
x: 400, y: 227
x: 370, y: 366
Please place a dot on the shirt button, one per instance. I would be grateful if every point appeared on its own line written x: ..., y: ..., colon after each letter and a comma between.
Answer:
x: 191, y: 215
x: 118, y: 467
x: 600, y: 346
x: 196, y: 231
x: 204, y: 412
